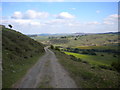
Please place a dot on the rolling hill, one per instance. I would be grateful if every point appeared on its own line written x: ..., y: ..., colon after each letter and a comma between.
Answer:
x: 19, y: 53
x: 98, y: 39
x: 89, y: 40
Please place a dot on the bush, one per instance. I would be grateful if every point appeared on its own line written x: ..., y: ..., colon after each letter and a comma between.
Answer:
x: 92, y: 67
x: 102, y: 55
x: 114, y: 55
x: 116, y: 66
x: 75, y: 59
x: 79, y: 60
x: 52, y: 47
x: 75, y: 39
x: 89, y: 52
x: 85, y: 52
x: 105, y: 67
x: 76, y: 50
x: 56, y: 48
x: 85, y: 62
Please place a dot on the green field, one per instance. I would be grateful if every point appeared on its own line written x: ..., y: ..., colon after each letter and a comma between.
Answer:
x: 41, y: 38
x: 81, y: 40
x: 87, y: 76
x: 84, y: 40
x: 107, y: 59
x: 113, y: 47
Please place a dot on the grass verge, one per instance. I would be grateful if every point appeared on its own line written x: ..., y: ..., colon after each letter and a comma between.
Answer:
x: 15, y: 72
x: 86, y: 76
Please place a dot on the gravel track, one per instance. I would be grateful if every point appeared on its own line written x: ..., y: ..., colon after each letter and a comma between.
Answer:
x: 46, y: 73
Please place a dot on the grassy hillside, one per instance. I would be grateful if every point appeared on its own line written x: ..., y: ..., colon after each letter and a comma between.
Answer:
x: 97, y: 39
x: 83, y: 40
x: 86, y: 75
x: 19, y: 53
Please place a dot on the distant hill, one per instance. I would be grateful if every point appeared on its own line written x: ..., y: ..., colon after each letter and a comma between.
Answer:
x: 86, y: 40
x: 96, y: 33
x: 18, y: 51
x: 67, y: 34
x: 112, y: 33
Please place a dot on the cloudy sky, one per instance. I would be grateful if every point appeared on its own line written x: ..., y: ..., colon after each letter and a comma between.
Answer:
x: 60, y: 17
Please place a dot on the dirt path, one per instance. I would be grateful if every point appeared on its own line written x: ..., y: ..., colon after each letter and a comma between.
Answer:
x: 47, y: 73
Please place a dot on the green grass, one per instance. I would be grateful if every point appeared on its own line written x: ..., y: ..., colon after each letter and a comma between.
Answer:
x: 14, y: 72
x: 19, y: 53
x: 86, y: 40
x: 99, y: 47
x: 107, y: 59
x: 87, y: 77
x: 41, y: 38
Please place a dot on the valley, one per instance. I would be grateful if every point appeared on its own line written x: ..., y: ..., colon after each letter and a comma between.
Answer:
x: 62, y: 61
x: 88, y: 58
x: 46, y: 73
x: 52, y: 44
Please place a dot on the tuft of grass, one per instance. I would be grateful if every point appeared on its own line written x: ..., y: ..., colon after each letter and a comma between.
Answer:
x: 45, y: 82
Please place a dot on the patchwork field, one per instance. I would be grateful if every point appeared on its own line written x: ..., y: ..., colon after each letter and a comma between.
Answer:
x: 109, y: 47
x: 88, y: 58
x: 107, y: 59
x: 79, y: 40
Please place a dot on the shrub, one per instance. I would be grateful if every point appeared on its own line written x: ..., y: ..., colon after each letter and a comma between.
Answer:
x: 89, y: 52
x: 105, y: 67
x: 84, y: 52
x: 75, y: 39
x: 79, y: 60
x: 52, y: 47
x: 92, y: 67
x: 76, y: 50
x: 56, y: 48
x: 114, y: 55
x: 75, y: 59
x: 25, y: 57
x: 116, y: 66
x: 85, y: 62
